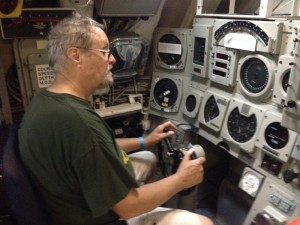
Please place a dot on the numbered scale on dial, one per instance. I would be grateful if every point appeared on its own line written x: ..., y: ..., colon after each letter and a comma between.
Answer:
x: 256, y: 76
x: 213, y: 110
x: 241, y: 127
x: 266, y: 34
x: 166, y: 93
x: 250, y: 181
x: 242, y: 124
x: 242, y: 26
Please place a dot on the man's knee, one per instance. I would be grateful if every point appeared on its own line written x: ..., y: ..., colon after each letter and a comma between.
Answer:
x: 144, y: 165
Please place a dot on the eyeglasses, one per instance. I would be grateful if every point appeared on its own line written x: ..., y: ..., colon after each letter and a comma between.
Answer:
x: 106, y: 51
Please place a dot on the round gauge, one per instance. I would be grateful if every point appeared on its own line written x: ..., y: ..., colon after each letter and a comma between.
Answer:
x: 169, y: 58
x: 242, y: 26
x: 250, y: 183
x: 211, y: 109
x: 241, y: 128
x: 254, y: 75
x: 263, y: 218
x: 276, y: 136
x: 285, y: 81
x: 165, y: 93
x: 7, y: 7
x: 190, y: 103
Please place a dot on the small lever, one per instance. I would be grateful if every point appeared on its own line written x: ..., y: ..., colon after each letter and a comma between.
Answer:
x: 167, y: 141
x: 177, y: 156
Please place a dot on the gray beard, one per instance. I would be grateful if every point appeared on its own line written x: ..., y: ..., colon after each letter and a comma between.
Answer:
x: 106, y: 84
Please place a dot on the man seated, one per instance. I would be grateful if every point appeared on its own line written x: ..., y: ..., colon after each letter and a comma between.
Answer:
x: 83, y: 173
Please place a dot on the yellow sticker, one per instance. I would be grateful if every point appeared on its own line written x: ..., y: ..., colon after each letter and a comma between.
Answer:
x: 11, y: 9
x: 124, y: 157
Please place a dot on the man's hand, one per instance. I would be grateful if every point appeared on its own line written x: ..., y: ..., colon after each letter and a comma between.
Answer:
x: 191, y: 172
x: 159, y: 133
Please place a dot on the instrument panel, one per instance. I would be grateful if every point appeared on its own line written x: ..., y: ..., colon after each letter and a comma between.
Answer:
x: 278, y: 205
x: 245, y: 100
x: 291, y: 113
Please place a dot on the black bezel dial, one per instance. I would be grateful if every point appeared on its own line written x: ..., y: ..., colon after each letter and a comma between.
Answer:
x: 190, y: 103
x: 165, y: 93
x: 254, y: 75
x: 169, y: 58
x: 276, y: 135
x: 241, y: 128
x: 211, y: 109
x: 285, y: 81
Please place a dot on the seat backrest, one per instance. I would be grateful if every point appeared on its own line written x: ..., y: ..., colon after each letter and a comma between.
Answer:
x: 23, y: 199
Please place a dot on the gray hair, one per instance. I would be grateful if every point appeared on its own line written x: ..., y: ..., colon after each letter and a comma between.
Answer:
x: 74, y: 31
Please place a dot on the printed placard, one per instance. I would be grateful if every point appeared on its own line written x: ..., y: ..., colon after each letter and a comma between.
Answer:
x: 45, y: 75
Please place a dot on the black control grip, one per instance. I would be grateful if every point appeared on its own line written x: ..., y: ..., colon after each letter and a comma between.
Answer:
x: 167, y: 141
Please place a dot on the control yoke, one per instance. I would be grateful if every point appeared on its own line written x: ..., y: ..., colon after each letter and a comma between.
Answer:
x: 177, y: 155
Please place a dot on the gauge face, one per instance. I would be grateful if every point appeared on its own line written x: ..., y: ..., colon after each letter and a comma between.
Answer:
x: 169, y: 58
x: 239, y: 26
x: 254, y: 75
x: 285, y: 81
x: 190, y: 103
x: 276, y: 136
x: 241, y: 128
x: 250, y: 183
x: 211, y: 109
x: 165, y: 93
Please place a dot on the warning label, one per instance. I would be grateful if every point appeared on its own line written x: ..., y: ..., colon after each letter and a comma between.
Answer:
x: 45, y: 75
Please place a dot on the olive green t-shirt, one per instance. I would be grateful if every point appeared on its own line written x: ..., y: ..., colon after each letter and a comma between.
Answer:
x: 73, y: 158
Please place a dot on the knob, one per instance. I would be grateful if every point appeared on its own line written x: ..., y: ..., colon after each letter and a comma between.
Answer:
x: 263, y: 218
x: 274, y: 167
x: 289, y: 175
x: 291, y: 104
